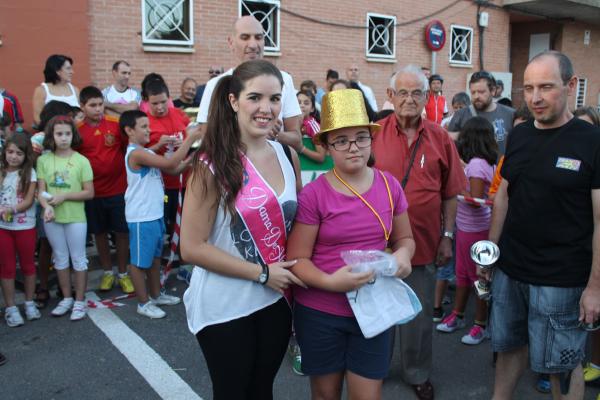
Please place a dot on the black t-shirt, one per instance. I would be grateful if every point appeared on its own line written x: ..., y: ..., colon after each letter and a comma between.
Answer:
x: 547, y: 235
x: 180, y: 104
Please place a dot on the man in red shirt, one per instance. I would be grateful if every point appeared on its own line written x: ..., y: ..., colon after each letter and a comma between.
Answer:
x: 436, y: 107
x: 421, y: 155
x: 167, y: 132
x: 104, y: 147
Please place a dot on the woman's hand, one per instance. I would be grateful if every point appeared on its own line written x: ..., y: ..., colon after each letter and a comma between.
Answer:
x: 57, y: 200
x: 344, y: 280
x: 404, y: 266
x: 48, y: 214
x: 280, y: 278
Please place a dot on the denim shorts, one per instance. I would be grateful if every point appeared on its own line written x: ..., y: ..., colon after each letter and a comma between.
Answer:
x: 145, y: 242
x: 331, y: 343
x: 446, y: 271
x: 544, y: 317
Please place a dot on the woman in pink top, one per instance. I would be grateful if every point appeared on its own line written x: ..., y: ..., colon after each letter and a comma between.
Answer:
x: 477, y: 147
x: 352, y: 207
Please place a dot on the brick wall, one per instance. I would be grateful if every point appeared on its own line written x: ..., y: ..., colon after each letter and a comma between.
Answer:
x: 30, y: 31
x: 308, y: 49
x: 585, y: 58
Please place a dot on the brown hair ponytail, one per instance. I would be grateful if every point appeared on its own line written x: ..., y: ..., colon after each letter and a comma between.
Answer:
x: 222, y: 143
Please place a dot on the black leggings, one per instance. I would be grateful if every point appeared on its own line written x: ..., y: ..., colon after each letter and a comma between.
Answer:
x: 244, y: 355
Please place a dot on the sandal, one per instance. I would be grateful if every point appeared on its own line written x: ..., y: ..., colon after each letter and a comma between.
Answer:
x: 42, y: 297
x: 424, y: 391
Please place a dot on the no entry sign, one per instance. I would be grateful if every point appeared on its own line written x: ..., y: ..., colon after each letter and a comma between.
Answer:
x: 435, y: 35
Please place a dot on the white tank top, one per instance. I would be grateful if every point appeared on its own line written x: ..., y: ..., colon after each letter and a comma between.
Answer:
x: 213, y: 298
x: 70, y: 100
x: 145, y: 194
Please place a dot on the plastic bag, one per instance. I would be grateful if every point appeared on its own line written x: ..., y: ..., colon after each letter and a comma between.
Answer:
x: 382, y: 263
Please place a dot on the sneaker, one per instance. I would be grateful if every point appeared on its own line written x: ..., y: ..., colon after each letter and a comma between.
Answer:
x: 32, y: 312
x: 590, y: 373
x: 126, y: 284
x: 63, y: 307
x: 296, y: 359
x: 107, y: 282
x: 79, y: 311
x: 475, y: 336
x: 543, y: 384
x: 438, y: 314
x: 13, y: 317
x: 150, y: 310
x: 451, y: 323
x: 165, y: 300
x: 185, y: 273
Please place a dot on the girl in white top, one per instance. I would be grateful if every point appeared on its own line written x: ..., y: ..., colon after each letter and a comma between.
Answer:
x: 58, y: 73
x: 239, y: 206
x: 17, y: 225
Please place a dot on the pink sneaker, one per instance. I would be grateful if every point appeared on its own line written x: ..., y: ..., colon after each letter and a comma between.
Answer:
x: 451, y: 323
x: 475, y: 336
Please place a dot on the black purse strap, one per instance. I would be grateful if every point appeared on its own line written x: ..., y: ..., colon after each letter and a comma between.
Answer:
x: 412, y: 160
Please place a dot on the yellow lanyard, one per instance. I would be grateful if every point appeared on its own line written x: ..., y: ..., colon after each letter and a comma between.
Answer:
x: 387, y: 186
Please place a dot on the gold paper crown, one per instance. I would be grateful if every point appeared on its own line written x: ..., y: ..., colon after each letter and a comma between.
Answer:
x: 343, y: 109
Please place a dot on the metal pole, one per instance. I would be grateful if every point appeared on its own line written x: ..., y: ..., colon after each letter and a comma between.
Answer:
x: 433, y: 61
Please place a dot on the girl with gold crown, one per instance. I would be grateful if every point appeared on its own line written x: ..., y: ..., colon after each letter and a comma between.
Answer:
x: 352, y: 207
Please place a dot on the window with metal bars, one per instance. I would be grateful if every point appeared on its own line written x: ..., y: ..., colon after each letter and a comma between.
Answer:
x: 267, y: 13
x: 168, y: 22
x: 461, y: 44
x: 381, y: 36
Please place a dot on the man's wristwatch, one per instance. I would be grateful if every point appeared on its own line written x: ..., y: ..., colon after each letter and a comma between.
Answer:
x: 448, y: 234
x: 264, y: 275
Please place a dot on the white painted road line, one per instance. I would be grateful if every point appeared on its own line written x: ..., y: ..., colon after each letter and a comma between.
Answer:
x: 144, y: 359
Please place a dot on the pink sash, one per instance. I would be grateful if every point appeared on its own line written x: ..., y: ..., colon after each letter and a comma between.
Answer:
x: 257, y: 205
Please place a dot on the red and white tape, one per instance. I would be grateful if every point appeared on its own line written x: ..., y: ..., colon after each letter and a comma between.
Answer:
x: 175, y: 237
x: 109, y: 303
x: 475, y: 200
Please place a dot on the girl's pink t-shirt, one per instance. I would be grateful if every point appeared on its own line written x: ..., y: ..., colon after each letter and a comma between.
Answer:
x: 345, y: 223
x: 471, y: 219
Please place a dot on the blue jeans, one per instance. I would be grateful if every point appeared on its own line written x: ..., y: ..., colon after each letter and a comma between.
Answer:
x: 544, y: 317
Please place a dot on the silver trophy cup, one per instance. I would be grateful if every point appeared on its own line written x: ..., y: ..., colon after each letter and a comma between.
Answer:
x: 484, y: 253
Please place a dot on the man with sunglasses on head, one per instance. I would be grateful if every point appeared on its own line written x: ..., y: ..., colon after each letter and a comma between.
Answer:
x: 482, y: 87
x: 213, y: 72
x: 421, y: 155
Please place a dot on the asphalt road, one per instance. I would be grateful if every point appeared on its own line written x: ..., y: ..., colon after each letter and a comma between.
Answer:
x: 117, y: 354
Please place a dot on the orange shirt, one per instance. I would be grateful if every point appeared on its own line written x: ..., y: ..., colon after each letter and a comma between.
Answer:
x: 436, y: 175
x: 497, y: 178
x: 104, y: 146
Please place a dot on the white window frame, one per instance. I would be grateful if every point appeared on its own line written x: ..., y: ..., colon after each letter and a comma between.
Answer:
x: 150, y: 41
x: 451, y: 45
x: 392, y: 20
x: 581, y: 86
x: 277, y: 39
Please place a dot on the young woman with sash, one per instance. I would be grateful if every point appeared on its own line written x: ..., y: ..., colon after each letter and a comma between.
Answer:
x: 352, y: 207
x: 240, y: 204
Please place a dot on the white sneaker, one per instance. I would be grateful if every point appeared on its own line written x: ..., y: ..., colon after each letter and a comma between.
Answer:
x: 166, y: 300
x: 13, y: 317
x: 31, y: 311
x: 63, y: 307
x: 79, y: 311
x: 150, y: 310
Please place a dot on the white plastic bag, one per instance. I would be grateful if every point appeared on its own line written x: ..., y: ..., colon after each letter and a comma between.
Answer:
x: 382, y: 263
x: 385, y: 302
